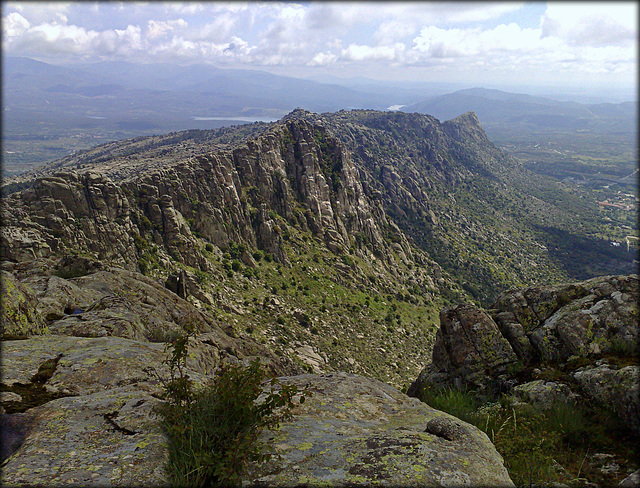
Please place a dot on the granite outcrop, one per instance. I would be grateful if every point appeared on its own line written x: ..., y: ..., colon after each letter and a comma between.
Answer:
x: 587, y: 331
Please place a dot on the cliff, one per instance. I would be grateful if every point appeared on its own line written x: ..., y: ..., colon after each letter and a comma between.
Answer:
x: 319, y: 244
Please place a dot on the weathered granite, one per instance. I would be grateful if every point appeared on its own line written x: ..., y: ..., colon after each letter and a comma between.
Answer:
x: 100, y: 430
x: 19, y: 314
x: 614, y: 388
x: 539, y: 325
x: 545, y: 394
x: 569, y: 328
x: 108, y: 438
x: 358, y: 431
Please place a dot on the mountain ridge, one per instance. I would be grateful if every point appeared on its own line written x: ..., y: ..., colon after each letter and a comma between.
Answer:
x: 323, y: 245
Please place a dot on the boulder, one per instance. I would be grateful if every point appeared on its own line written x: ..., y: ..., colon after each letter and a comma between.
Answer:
x: 545, y: 394
x: 358, y: 431
x: 87, y: 419
x: 534, y: 327
x: 469, y: 349
x: 108, y: 438
x: 615, y: 389
x: 20, y: 316
x: 591, y: 318
x: 631, y: 481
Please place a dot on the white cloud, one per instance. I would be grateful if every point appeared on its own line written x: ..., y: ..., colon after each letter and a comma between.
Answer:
x: 393, y: 30
x: 555, y: 46
x: 447, y: 43
x: 322, y: 59
x: 15, y: 24
x: 156, y: 28
x: 218, y: 30
x: 355, y: 52
x: 364, y: 37
x: 478, y: 12
x: 184, y: 8
x: 38, y: 12
x: 593, y: 24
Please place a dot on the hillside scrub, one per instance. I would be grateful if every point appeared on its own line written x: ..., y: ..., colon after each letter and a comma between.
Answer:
x: 541, y: 447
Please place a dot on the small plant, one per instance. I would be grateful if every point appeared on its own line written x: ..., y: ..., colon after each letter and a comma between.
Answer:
x: 213, y: 432
x: 459, y: 403
x: 528, y: 445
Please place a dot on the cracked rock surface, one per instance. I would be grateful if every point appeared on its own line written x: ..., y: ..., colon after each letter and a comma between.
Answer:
x: 356, y: 430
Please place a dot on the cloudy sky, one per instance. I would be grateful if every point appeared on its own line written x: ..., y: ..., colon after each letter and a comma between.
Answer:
x: 547, y: 43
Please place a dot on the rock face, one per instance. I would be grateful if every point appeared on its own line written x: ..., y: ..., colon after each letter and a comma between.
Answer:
x: 80, y: 410
x: 94, y: 424
x: 222, y: 197
x: 469, y: 344
x: 205, y: 225
x: 589, y: 330
x: 358, y: 431
x: 19, y: 314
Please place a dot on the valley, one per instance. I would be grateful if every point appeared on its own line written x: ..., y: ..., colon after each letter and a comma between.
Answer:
x: 335, y: 247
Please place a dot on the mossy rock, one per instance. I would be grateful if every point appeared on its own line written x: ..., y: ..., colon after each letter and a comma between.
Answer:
x: 19, y: 315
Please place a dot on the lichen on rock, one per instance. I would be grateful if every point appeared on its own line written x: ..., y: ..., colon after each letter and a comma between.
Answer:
x: 358, y: 431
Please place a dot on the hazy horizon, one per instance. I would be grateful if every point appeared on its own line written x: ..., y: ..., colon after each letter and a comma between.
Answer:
x: 576, y: 48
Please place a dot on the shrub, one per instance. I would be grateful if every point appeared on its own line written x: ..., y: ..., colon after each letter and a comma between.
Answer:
x: 213, y: 433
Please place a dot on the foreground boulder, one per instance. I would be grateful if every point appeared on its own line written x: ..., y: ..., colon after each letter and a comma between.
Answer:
x: 81, y: 413
x: 587, y: 332
x: 358, y: 431
x: 563, y: 348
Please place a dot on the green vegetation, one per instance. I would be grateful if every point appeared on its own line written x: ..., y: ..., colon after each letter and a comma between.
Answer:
x: 213, y: 431
x: 539, y: 446
x: 342, y: 313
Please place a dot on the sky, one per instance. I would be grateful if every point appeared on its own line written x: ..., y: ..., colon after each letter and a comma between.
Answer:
x: 527, y: 43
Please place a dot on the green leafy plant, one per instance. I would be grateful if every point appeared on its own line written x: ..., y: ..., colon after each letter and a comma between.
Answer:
x: 213, y: 431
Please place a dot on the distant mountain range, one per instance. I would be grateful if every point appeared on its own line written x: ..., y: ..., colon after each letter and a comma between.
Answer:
x: 50, y: 111
x: 495, y: 106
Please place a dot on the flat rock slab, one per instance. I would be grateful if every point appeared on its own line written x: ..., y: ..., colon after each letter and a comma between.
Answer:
x: 109, y: 438
x: 86, y: 365
x: 351, y: 430
x: 359, y: 431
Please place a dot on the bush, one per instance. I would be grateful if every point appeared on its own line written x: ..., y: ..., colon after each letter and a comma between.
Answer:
x: 213, y: 433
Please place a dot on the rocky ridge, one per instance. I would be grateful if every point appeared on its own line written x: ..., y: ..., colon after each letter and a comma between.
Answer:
x: 574, y: 344
x: 295, y: 245
x: 202, y: 223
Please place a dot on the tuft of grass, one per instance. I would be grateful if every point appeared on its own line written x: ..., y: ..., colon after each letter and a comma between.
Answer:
x: 460, y: 403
